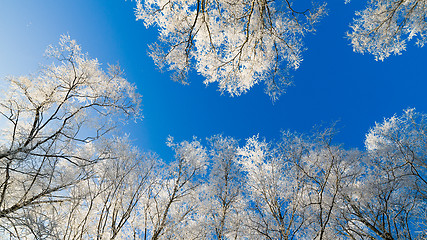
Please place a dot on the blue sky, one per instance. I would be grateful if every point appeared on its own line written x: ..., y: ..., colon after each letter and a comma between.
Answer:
x: 333, y: 83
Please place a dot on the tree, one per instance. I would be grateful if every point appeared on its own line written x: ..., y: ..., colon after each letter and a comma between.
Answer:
x: 169, y: 207
x: 273, y: 189
x: 51, y: 140
x: 397, y: 151
x: 385, y: 26
x: 197, y: 195
x: 327, y: 172
x: 307, y: 188
x: 386, y: 198
x: 296, y: 185
x: 103, y: 206
x: 400, y: 144
x: 234, y: 43
x: 224, y: 201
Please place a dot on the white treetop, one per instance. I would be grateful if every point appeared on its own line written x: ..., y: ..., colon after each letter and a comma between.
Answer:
x: 234, y: 43
x: 51, y: 140
x: 385, y: 27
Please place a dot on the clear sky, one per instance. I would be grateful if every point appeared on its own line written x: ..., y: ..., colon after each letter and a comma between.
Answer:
x: 333, y: 83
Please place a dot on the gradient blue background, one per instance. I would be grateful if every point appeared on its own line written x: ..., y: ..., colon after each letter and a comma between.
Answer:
x: 333, y: 83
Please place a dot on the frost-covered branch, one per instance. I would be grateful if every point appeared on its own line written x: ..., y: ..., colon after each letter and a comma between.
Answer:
x: 236, y: 44
x: 385, y: 27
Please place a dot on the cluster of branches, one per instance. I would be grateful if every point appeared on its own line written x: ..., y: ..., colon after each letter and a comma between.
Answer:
x: 63, y: 174
x: 241, y: 43
x: 385, y: 26
x: 234, y: 43
x: 55, y: 150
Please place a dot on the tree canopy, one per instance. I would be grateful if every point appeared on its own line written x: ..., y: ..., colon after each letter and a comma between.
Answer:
x: 66, y: 175
x: 385, y: 27
x: 67, y: 171
x: 242, y: 43
x: 236, y: 44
